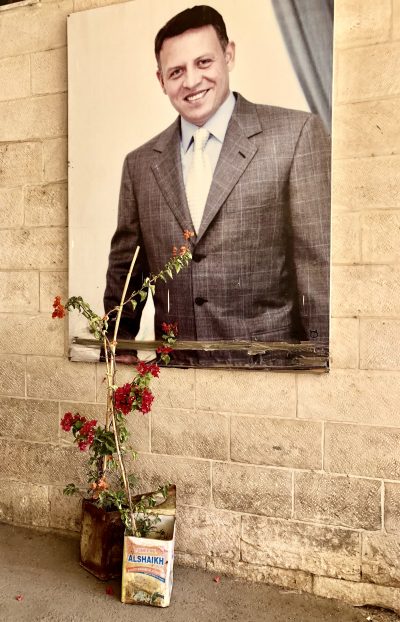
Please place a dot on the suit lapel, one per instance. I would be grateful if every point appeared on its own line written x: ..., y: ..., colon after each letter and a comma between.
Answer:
x: 167, y: 170
x: 236, y: 154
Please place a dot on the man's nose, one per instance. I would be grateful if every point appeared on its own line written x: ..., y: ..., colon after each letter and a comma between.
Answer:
x: 192, y: 77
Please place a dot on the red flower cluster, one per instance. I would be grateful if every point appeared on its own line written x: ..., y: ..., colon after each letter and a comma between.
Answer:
x: 59, y: 309
x: 164, y: 350
x: 123, y: 399
x: 68, y: 421
x: 143, y: 368
x: 170, y: 328
x: 86, y: 434
x: 82, y: 429
x: 146, y: 400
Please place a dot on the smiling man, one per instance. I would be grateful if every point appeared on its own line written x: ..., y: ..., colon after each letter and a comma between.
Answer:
x: 251, y: 181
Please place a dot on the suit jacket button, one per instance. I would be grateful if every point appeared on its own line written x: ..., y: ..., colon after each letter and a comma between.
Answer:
x: 200, y: 301
x: 197, y: 257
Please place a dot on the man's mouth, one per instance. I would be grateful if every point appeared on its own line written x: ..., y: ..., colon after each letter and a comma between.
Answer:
x: 196, y: 96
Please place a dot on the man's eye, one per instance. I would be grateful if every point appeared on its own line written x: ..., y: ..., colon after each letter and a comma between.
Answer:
x: 205, y: 62
x: 175, y: 73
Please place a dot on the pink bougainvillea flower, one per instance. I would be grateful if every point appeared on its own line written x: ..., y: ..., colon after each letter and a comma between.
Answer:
x: 146, y: 401
x: 59, y: 309
x: 19, y: 597
x: 123, y: 399
x: 217, y: 579
x: 68, y: 421
x: 164, y: 350
x: 143, y: 368
x: 170, y: 328
x: 109, y: 590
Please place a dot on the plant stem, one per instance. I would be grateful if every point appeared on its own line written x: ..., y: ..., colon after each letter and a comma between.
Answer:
x: 110, y: 384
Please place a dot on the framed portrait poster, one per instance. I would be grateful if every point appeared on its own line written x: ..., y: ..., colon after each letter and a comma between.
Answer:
x: 256, y: 293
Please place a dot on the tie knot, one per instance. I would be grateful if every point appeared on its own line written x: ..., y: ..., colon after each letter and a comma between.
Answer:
x: 200, y: 138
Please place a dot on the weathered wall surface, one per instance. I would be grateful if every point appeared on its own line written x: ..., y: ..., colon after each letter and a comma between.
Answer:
x: 290, y: 479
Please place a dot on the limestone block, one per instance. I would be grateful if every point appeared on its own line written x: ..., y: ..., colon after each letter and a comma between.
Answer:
x: 365, y: 291
x: 366, y: 129
x: 392, y: 507
x: 288, y: 579
x: 328, y: 551
x: 276, y: 442
x: 57, y: 378
x: 35, y: 117
x: 379, y: 76
x: 35, y: 334
x: 353, y: 396
x: 380, y: 345
x: 46, y: 205
x: 366, y: 183
x: 33, y: 420
x: 19, y: 292
x: 12, y: 375
x: 34, y: 28
x: 20, y: 163
x: 359, y: 21
x: 49, y: 71
x: 343, y: 501
x: 246, y: 392
x: 65, y: 511
x: 253, y: 490
x: 190, y: 561
x: 362, y: 450
x: 208, y: 532
x: 343, y: 343
x: 396, y: 19
x: 55, y: 158
x: 42, y: 463
x: 139, y: 428
x: 358, y: 594
x: 346, y: 238
x: 14, y: 77
x: 52, y: 284
x: 189, y: 433
x: 24, y: 504
x: 43, y: 248
x: 380, y: 558
x: 192, y: 477
x: 11, y: 207
x: 380, y: 237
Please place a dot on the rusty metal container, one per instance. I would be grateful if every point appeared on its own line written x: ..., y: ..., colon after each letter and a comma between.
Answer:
x: 102, y: 541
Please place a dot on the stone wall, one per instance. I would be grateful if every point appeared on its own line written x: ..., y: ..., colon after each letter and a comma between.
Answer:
x: 292, y: 479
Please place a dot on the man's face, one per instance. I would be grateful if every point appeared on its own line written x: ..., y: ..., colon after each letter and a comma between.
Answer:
x: 194, y: 73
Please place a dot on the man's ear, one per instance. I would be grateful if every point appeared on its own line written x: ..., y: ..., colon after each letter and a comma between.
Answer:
x: 160, y: 79
x: 230, y: 55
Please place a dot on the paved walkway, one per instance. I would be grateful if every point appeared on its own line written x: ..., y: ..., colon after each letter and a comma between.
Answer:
x: 43, y: 570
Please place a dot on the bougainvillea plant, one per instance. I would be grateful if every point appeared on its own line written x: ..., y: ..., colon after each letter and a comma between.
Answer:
x: 109, y: 484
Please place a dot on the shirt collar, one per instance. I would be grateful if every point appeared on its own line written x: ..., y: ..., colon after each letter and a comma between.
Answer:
x: 217, y: 125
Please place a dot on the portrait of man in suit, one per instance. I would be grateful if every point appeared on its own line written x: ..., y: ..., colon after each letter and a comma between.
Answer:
x: 253, y: 184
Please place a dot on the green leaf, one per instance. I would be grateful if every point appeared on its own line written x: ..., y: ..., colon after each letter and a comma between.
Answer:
x: 152, y: 289
x: 70, y: 489
x: 143, y: 295
x: 134, y: 304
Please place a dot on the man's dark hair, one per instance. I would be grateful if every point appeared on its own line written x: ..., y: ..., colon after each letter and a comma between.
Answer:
x: 196, y: 17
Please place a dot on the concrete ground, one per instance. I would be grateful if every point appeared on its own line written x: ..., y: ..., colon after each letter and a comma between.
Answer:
x: 41, y: 580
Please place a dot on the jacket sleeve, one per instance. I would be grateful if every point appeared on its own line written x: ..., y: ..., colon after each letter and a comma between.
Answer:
x: 123, y: 245
x: 310, y: 200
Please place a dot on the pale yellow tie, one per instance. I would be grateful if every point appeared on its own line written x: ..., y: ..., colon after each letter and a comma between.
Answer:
x: 199, y: 177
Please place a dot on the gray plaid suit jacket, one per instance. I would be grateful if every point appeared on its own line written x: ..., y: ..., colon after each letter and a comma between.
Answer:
x: 260, y: 268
